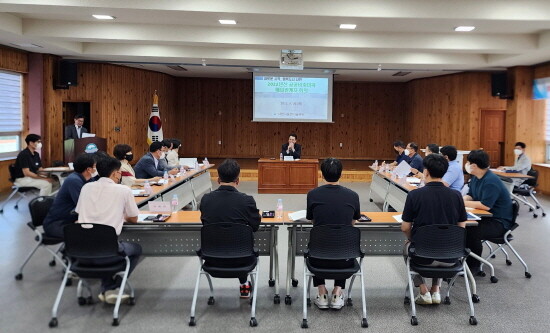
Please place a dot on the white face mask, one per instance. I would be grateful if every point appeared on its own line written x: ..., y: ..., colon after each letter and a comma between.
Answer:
x: 407, y: 152
x: 95, y: 174
x: 162, y: 155
x: 39, y: 145
x: 517, y: 151
x: 468, y: 168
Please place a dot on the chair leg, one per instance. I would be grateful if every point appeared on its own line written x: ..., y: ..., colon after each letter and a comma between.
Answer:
x: 484, y: 261
x: 53, y: 321
x: 532, y: 195
x: 527, y: 274
x: 473, y: 320
x: 192, y: 321
x: 8, y: 199
x: 350, y: 286
x: 21, y: 196
x: 255, y: 280
x: 305, y: 297
x: 505, y: 253
x: 19, y: 275
x: 209, y: 279
x: 414, y: 321
x: 116, y: 320
x: 364, y: 322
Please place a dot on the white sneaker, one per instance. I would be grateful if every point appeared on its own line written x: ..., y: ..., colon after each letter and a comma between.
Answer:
x: 337, y: 302
x: 423, y: 299
x: 321, y: 301
x: 112, y: 295
x: 436, y: 298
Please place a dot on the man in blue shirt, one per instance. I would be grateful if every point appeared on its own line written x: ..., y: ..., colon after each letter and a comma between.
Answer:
x: 60, y: 213
x: 151, y: 165
x: 487, y: 192
x: 454, y: 177
x: 415, y: 161
x: 402, y: 153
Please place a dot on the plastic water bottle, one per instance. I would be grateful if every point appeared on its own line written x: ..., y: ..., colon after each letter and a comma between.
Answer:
x: 147, y: 187
x: 281, y: 156
x: 165, y: 177
x: 375, y: 165
x: 205, y: 162
x: 182, y: 170
x: 175, y: 203
x: 279, y: 212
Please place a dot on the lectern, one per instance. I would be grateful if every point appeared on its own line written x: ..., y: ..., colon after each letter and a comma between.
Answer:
x: 75, y: 147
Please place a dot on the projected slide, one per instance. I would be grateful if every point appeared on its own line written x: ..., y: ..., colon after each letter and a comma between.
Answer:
x: 292, y: 98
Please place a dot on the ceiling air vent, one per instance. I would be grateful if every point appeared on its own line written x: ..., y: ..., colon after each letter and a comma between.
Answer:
x: 177, y: 68
x: 401, y: 73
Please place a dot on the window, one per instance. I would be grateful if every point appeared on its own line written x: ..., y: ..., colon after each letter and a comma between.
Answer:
x: 11, y: 110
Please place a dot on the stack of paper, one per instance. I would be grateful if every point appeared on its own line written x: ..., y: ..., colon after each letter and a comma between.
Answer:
x: 298, y: 216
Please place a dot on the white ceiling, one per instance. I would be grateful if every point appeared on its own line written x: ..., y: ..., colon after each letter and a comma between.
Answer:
x: 407, y: 35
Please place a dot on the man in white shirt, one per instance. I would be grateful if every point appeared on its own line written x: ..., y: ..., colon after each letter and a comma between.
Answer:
x: 108, y: 202
x: 522, y: 164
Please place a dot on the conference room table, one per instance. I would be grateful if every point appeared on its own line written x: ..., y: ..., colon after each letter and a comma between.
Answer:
x: 180, y: 235
x: 382, y: 236
x: 60, y: 173
x: 508, y: 180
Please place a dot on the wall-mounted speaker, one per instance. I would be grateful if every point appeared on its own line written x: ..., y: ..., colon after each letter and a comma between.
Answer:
x: 66, y: 74
x: 500, y: 86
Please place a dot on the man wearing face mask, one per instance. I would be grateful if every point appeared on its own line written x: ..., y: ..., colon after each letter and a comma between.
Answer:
x: 124, y: 154
x: 486, y: 192
x: 150, y: 164
x: 60, y: 214
x: 28, y: 166
x: 402, y: 153
x: 415, y: 159
x: 522, y: 164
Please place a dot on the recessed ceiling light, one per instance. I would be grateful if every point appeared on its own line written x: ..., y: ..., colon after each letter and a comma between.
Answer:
x: 26, y: 45
x: 348, y: 26
x: 104, y: 17
x: 227, y: 21
x: 465, y: 28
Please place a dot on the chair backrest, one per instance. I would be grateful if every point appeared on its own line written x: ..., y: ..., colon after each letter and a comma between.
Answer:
x: 90, y: 241
x: 39, y: 208
x: 227, y: 240
x: 532, y: 181
x: 334, y: 242
x: 439, y: 241
x: 11, y: 169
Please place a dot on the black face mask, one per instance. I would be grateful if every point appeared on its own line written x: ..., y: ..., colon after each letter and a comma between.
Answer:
x: 129, y: 158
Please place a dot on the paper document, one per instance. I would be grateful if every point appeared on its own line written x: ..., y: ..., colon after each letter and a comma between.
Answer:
x: 288, y: 158
x: 298, y: 215
x: 398, y: 218
x: 88, y: 135
x: 473, y: 217
x: 413, y: 180
x: 402, y: 170
x: 188, y: 161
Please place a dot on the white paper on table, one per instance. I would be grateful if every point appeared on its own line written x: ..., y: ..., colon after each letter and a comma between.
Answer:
x: 299, y: 215
x: 398, y: 218
x: 88, y: 135
x: 469, y: 208
x: 288, y: 158
x: 188, y: 161
x: 413, y: 180
x: 402, y: 170
x: 159, y: 206
x: 137, y: 192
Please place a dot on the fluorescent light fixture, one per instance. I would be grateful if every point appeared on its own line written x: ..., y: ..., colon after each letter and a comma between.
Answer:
x: 104, y: 17
x: 465, y: 28
x: 227, y: 21
x: 348, y: 26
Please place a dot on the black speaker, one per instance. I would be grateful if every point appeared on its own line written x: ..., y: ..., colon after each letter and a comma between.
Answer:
x: 66, y: 74
x: 499, y: 85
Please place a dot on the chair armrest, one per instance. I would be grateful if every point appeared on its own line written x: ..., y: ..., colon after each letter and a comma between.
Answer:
x: 306, y: 253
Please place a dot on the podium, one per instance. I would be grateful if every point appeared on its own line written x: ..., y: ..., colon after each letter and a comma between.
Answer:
x: 276, y: 176
x: 75, y: 147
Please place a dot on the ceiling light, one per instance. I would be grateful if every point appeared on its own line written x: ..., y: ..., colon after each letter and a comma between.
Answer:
x: 227, y: 21
x: 348, y: 26
x: 26, y: 45
x: 465, y: 28
x: 104, y: 17
x: 379, y: 67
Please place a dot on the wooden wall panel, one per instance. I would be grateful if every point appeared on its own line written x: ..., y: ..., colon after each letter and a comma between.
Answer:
x: 13, y: 60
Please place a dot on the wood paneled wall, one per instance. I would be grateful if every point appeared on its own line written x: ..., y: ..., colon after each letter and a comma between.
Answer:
x: 367, y: 119
x: 13, y: 60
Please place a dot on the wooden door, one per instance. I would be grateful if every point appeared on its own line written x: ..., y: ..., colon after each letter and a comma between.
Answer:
x: 492, y: 129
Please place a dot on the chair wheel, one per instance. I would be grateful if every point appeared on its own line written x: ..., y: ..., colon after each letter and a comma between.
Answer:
x: 53, y: 322
x: 19, y: 277
x: 414, y: 321
x: 494, y: 279
x: 530, y: 209
x: 16, y: 207
x: 407, y: 300
x: 481, y: 273
x: 508, y: 262
x: 116, y: 322
x: 253, y: 322
x: 131, y: 301
x: 535, y: 215
x: 473, y: 320
x: 192, y: 321
x: 528, y: 275
x: 271, y: 283
x: 276, y: 299
x: 371, y: 200
x: 304, y: 323
x: 52, y: 263
x: 294, y: 283
x: 493, y: 256
x: 538, y: 207
x: 475, y: 298
x: 90, y: 301
x: 349, y: 302
x: 81, y: 301
x: 364, y: 323
x: 288, y: 300
x: 543, y: 214
x: 211, y: 300
x: 447, y: 300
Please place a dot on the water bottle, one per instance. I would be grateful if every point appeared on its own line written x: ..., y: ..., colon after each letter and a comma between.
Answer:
x: 165, y: 177
x: 375, y: 165
x: 281, y: 156
x: 205, y: 162
x: 196, y: 165
x: 182, y: 170
x: 147, y: 187
x: 279, y: 212
x: 175, y: 203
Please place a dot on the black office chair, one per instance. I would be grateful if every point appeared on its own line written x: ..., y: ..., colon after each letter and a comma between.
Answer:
x: 334, y: 242
x: 227, y: 243
x: 85, y: 244
x: 19, y: 190
x: 444, y: 243
x: 39, y: 208
x: 505, y: 241
x: 527, y: 189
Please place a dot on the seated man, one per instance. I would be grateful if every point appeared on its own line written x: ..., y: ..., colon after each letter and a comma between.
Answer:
x: 60, y: 214
x: 331, y: 204
x: 28, y: 166
x: 292, y: 148
x: 522, y: 163
x: 431, y: 204
x: 151, y: 165
x: 431, y: 148
x: 454, y: 177
x: 415, y: 161
x: 108, y: 202
x: 486, y: 192
x: 227, y: 204
x: 402, y: 153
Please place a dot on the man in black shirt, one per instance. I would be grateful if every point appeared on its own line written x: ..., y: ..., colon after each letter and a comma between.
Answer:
x: 227, y: 204
x: 435, y: 203
x: 332, y: 204
x: 292, y: 148
x: 28, y: 165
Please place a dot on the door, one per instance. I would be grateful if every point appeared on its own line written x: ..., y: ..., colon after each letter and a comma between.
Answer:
x: 492, y: 129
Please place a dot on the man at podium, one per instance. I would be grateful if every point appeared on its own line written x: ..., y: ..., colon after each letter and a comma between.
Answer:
x: 292, y: 148
x: 75, y: 131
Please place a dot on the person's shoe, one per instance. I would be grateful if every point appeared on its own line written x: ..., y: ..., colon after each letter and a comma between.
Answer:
x: 321, y: 301
x: 112, y: 295
x: 425, y: 299
x: 245, y: 290
x: 101, y: 297
x: 436, y: 298
x: 337, y: 301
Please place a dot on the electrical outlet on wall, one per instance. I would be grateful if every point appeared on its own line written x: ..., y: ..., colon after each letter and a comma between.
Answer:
x: 341, y: 144
x: 220, y: 142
